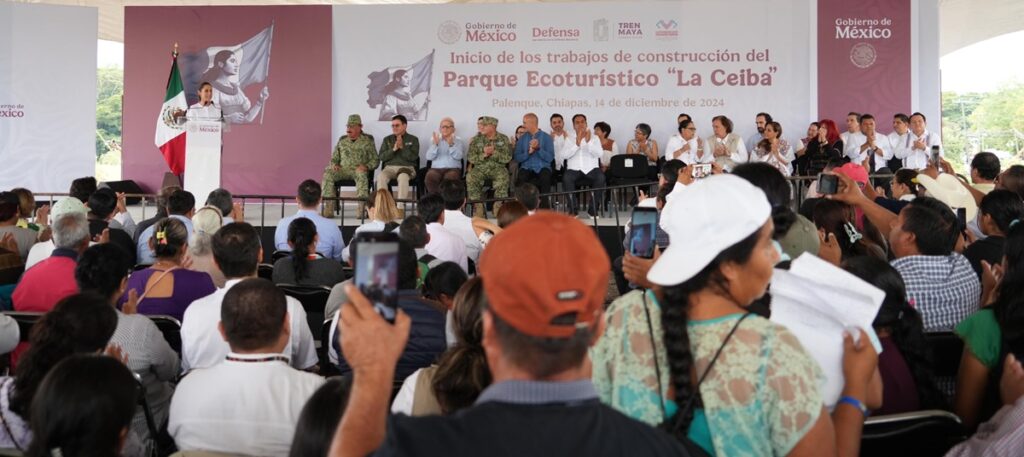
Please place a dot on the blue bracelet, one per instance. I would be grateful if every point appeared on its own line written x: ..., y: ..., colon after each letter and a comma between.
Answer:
x: 855, y: 403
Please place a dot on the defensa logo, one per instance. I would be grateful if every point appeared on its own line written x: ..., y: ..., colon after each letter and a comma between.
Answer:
x: 12, y: 111
x: 490, y: 32
x: 555, y: 34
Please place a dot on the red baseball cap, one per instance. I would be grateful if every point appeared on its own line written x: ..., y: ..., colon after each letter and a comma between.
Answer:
x: 854, y: 172
x: 546, y: 275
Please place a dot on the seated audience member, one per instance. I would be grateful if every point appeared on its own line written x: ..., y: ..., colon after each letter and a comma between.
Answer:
x: 1012, y: 179
x: 941, y: 282
x: 827, y: 147
x: 27, y: 210
x: 445, y: 153
x: 455, y: 220
x: 876, y: 151
x: 84, y: 407
x: 100, y: 270
x: 989, y: 333
x: 700, y: 300
x: 985, y: 169
x: 461, y: 373
x: 102, y: 206
x: 510, y: 212
x: 540, y: 319
x: 535, y: 153
x: 643, y: 144
x: 905, y: 189
x: 121, y: 218
x: 43, y: 249
x: 515, y: 212
x: 490, y: 158
x: 80, y: 323
x: 384, y: 216
x: 224, y: 202
x: 354, y: 158
x: 905, y: 363
x: 414, y: 231
x: 1003, y: 434
x: 837, y: 229
x: 82, y: 188
x: 775, y: 150
x: 330, y: 244
x: 442, y: 244
x: 9, y: 215
x: 999, y: 211
x: 582, y: 156
x: 760, y: 121
x: 426, y: 342
x: 609, y: 148
x: 915, y: 154
x: 305, y: 266
x: 180, y: 206
x: 237, y: 252
x: 206, y: 222
x: 54, y: 278
x: 794, y: 233
x: 442, y: 282
x: 168, y: 286
x: 675, y: 142
x: 161, y: 211
x: 248, y: 403
x: 10, y: 334
x: 528, y: 194
x: 319, y: 418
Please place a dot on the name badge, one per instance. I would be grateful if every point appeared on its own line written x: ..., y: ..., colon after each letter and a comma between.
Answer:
x: 628, y: 163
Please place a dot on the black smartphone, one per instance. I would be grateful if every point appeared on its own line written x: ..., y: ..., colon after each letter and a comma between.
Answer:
x: 936, y: 156
x: 828, y: 184
x: 701, y: 170
x: 377, y: 271
x: 643, y: 232
x: 961, y: 215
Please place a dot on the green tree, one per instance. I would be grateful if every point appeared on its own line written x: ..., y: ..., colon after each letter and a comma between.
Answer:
x: 110, y: 89
x: 999, y: 119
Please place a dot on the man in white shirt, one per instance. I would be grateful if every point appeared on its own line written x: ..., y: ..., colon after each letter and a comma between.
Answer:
x: 250, y: 401
x: 853, y: 139
x: 876, y: 148
x: 559, y: 136
x: 237, y: 252
x: 899, y: 139
x: 920, y: 142
x: 582, y: 156
x: 761, y: 120
x: 330, y: 244
x: 443, y: 244
x: 455, y: 220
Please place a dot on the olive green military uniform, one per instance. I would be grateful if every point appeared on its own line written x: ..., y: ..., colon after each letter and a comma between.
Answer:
x: 348, y: 155
x: 494, y: 167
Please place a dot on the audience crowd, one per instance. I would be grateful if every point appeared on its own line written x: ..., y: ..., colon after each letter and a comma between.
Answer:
x: 178, y: 333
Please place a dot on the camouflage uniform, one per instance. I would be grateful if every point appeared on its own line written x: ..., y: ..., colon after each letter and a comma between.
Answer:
x: 348, y: 155
x: 494, y: 167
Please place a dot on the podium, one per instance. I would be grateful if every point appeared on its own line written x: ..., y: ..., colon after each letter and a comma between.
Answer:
x: 203, y: 142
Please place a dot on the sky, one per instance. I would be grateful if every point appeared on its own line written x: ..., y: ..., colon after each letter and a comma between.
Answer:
x: 984, y: 66
x: 981, y: 67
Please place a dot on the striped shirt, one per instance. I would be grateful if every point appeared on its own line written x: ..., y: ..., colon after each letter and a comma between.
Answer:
x: 1003, y: 435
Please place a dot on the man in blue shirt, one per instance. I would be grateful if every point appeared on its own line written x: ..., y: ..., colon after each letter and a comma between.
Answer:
x: 446, y: 153
x: 330, y: 244
x: 180, y: 205
x: 535, y: 152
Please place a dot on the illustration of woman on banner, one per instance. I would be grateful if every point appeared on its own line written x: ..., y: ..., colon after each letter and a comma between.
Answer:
x: 399, y: 98
x: 228, y: 94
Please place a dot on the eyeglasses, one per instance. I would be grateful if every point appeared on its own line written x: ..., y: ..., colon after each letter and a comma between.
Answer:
x: 445, y: 126
x: 395, y: 126
x: 692, y: 129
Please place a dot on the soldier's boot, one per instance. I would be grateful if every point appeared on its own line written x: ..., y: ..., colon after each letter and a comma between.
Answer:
x: 329, y: 207
x: 479, y: 210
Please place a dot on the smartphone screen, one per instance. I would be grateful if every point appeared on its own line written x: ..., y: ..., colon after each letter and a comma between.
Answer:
x: 961, y: 215
x: 828, y: 184
x: 936, y: 155
x: 643, y: 232
x: 377, y: 271
x: 701, y: 170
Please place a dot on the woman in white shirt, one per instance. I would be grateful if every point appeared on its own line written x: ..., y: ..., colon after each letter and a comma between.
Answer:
x: 608, y: 146
x: 774, y: 150
x: 205, y: 109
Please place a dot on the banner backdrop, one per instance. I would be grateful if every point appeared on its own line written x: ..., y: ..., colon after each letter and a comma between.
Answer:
x: 270, y: 68
x: 622, y: 63
x: 47, y: 95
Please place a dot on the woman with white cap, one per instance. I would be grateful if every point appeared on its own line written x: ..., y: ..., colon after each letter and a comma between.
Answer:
x: 730, y: 382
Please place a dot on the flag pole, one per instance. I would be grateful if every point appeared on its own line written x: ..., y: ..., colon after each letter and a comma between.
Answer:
x: 269, y: 48
x: 427, y: 114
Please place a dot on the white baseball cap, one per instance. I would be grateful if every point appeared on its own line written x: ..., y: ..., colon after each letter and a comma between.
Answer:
x: 707, y: 218
x: 67, y: 205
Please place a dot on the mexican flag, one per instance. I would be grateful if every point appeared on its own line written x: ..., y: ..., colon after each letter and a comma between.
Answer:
x: 170, y: 136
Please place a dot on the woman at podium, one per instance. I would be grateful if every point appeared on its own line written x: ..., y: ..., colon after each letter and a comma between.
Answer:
x: 204, y: 110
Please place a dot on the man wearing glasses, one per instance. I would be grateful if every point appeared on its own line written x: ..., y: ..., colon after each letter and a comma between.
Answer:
x: 400, y: 154
x: 445, y: 153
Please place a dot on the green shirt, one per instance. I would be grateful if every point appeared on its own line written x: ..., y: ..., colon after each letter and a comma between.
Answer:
x: 502, y: 150
x: 982, y: 336
x: 407, y: 156
x: 350, y: 154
